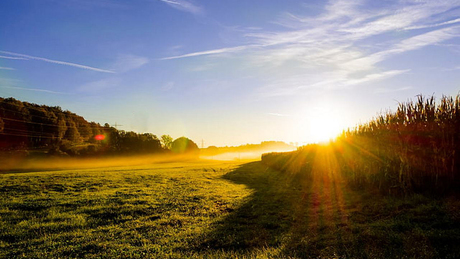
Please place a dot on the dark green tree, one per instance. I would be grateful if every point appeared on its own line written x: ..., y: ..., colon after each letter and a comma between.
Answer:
x: 166, y: 141
x: 72, y: 133
x: 61, y: 126
x: 184, y: 145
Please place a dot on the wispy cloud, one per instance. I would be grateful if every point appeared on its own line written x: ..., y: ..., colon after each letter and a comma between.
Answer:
x: 6, y: 68
x: 32, y: 89
x: 413, y: 43
x: 434, y: 25
x: 126, y: 63
x: 9, y: 81
x: 168, y: 86
x: 391, y: 90
x: 56, y: 62
x: 373, y: 77
x: 331, y: 80
x: 99, y: 85
x: 429, y: 38
x: 9, y: 57
x: 211, y: 52
x: 338, y: 48
x: 183, y: 5
x: 203, y: 67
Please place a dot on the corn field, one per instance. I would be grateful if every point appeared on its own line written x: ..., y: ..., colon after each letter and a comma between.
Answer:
x: 415, y: 149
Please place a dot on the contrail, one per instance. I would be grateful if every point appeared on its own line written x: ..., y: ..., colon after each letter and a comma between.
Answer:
x: 56, y: 62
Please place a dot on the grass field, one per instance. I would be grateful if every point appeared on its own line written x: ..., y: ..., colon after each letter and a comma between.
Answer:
x: 212, y: 209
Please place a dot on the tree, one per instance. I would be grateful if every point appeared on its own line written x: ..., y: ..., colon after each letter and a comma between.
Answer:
x: 72, y: 133
x: 166, y: 141
x: 184, y: 145
x: 96, y: 128
x: 61, y: 126
x: 150, y: 142
x: 85, y: 130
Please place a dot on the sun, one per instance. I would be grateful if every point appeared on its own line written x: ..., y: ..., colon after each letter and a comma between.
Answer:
x: 324, y: 128
x: 321, y: 123
x: 318, y: 122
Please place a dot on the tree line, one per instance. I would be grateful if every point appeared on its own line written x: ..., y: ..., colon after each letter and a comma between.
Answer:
x: 26, y: 126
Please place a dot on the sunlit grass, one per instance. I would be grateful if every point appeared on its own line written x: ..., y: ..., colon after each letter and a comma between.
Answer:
x: 210, y: 209
x: 24, y: 164
x: 113, y: 212
x: 348, y: 220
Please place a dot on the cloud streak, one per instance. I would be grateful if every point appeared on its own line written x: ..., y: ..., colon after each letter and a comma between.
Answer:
x: 28, y: 57
x: 338, y: 47
x: 183, y: 5
x: 15, y: 58
x: 211, y: 52
x: 32, y: 89
x: 99, y: 85
x: 335, y: 80
x: 390, y: 90
x: 125, y: 63
x: 416, y: 42
x: 434, y: 25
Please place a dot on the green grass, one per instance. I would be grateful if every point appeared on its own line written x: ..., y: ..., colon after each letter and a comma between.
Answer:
x: 210, y: 209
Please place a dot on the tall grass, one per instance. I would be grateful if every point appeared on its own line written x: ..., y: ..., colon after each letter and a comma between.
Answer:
x: 415, y: 148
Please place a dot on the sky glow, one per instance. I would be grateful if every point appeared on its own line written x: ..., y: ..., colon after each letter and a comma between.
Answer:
x: 229, y: 72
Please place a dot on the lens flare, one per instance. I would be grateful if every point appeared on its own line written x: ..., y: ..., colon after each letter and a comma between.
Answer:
x: 99, y: 137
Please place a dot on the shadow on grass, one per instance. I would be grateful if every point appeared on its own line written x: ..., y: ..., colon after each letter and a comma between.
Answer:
x: 285, y: 211
x: 301, y: 216
x: 264, y: 216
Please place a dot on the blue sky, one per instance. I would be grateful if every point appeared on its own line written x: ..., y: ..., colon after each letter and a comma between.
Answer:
x: 229, y: 72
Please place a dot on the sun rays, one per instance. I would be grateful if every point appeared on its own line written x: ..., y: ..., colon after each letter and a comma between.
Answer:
x: 324, y: 197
